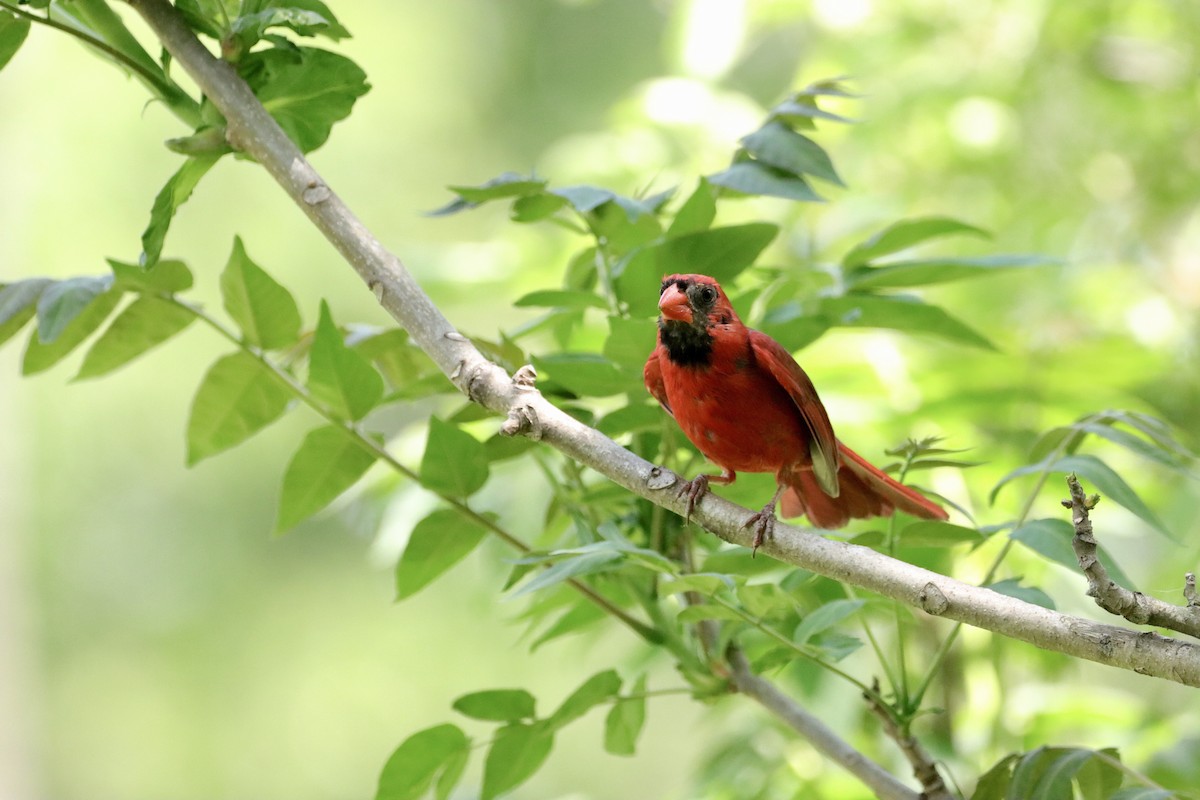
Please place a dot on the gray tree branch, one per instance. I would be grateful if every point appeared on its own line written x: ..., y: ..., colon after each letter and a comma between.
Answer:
x: 821, y: 736
x: 252, y: 130
x: 1111, y: 596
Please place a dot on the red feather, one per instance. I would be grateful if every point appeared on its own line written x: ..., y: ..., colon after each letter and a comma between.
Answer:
x: 741, y: 398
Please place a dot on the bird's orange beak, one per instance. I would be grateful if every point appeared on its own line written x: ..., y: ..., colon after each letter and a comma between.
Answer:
x: 674, y: 304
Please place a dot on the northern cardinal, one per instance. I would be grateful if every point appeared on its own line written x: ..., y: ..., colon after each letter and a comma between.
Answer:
x: 742, y: 399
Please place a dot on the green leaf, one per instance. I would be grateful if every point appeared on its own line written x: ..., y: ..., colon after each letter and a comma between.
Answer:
x: 455, y: 462
x: 436, y: 544
x: 574, y: 567
x: 706, y: 583
x: 413, y: 765
x: 306, y: 90
x: 1099, y: 778
x: 328, y: 463
x: 534, y: 207
x: 339, y: 376
x: 1029, y: 771
x: 595, y: 690
x: 167, y: 276
x: 18, y: 303
x: 250, y: 28
x: 631, y: 419
x: 752, y: 178
x: 561, y: 298
x: 624, y: 722
x: 497, y: 705
x: 1052, y: 538
x: 40, y: 356
x: 1030, y: 594
x: 1108, y: 482
x: 262, y: 308
x: 59, y: 304
x: 905, y: 234
x: 929, y: 533
x: 237, y: 398
x: 581, y: 615
x: 146, y: 323
x: 516, y: 753
x: 805, y: 109
x: 456, y: 764
x: 509, y: 184
x: 585, y: 374
x: 175, y: 192
x: 13, y: 30
x: 993, y: 783
x: 825, y: 617
x: 1144, y: 793
x: 779, y: 146
x: 697, y: 212
x: 722, y: 253
x: 936, y: 270
x: 899, y: 313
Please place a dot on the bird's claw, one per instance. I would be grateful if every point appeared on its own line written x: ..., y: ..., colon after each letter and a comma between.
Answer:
x: 763, y: 523
x: 693, y: 490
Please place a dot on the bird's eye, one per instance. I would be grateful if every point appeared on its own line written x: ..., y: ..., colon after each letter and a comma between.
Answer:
x: 706, y: 293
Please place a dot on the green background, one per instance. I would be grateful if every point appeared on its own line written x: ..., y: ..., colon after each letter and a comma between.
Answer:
x: 155, y: 639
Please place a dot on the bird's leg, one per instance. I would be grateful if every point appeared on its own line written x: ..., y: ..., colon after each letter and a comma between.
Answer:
x: 697, y: 487
x: 763, y: 521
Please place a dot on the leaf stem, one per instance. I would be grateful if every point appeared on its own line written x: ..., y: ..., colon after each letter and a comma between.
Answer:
x: 373, y: 447
x: 183, y: 105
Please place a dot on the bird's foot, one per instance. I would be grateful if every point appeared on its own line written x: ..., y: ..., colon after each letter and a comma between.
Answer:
x: 693, y: 490
x: 763, y: 524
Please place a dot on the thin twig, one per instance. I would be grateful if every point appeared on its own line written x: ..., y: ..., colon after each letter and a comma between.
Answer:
x: 1111, y: 596
x: 924, y: 767
x: 885, y: 785
x: 252, y: 130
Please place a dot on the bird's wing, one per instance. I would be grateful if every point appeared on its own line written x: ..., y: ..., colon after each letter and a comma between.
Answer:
x: 823, y: 446
x: 653, y: 377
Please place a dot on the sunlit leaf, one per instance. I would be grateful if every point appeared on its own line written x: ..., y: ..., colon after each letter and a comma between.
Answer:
x: 534, y: 207
x: 175, y: 192
x: 825, y: 617
x: 905, y: 234
x: 167, y: 275
x: 455, y: 462
x: 993, y: 784
x: 1052, y: 538
x: 18, y: 304
x: 146, y: 323
x: 306, y: 90
x: 752, y: 178
x: 412, y: 767
x: 1030, y: 594
x: 497, y: 705
x: 237, y: 398
x: 568, y: 568
x: 624, y: 722
x: 516, y: 753
x: 585, y: 374
x: 328, y: 463
x: 899, y: 313
x: 595, y: 690
x: 40, y: 356
x: 13, y: 30
x: 437, y: 543
x: 59, y: 304
x: 779, y: 146
x: 260, y: 305
x: 338, y: 375
x: 697, y: 212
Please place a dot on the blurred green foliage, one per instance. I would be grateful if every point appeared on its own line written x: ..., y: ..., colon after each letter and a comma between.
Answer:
x: 164, y: 645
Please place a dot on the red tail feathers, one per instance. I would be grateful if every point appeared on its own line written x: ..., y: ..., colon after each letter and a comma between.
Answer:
x: 866, y: 491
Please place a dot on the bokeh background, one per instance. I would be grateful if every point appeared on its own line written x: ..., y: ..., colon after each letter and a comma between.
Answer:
x: 157, y: 642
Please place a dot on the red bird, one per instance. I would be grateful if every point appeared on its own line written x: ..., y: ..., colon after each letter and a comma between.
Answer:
x: 742, y: 399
